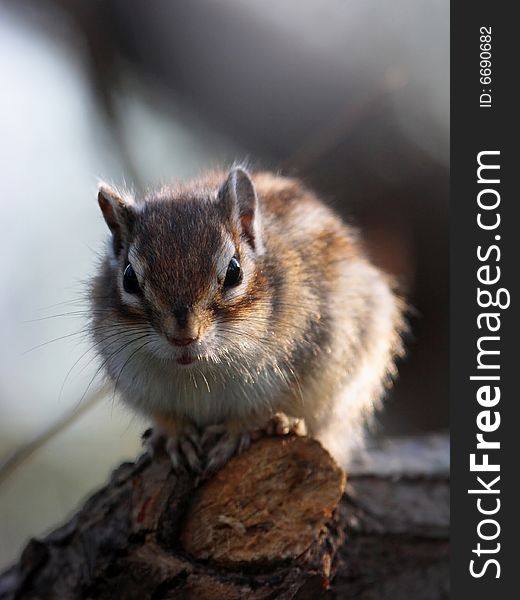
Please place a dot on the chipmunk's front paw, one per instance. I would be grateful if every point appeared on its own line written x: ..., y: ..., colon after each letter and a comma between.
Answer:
x: 183, y: 447
x: 281, y: 424
x: 221, y: 444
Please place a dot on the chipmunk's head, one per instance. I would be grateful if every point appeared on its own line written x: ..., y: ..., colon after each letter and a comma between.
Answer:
x: 183, y: 271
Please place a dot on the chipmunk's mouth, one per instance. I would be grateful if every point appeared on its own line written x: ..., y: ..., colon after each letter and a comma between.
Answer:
x: 186, y: 359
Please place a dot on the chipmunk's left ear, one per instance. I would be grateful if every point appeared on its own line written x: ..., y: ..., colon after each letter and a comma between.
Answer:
x: 238, y: 197
x: 118, y: 212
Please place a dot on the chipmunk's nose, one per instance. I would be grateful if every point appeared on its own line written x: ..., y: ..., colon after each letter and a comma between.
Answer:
x: 181, y: 315
x: 184, y: 329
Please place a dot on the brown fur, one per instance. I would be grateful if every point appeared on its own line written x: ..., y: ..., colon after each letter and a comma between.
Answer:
x: 311, y: 321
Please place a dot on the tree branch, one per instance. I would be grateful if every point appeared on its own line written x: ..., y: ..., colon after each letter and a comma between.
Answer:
x: 274, y: 523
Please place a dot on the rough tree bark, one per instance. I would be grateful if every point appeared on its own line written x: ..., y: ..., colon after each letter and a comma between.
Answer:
x: 276, y: 522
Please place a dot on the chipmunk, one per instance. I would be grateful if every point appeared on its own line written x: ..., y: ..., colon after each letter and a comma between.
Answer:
x: 237, y: 304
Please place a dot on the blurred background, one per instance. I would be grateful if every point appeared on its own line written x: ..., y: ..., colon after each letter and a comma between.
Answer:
x: 350, y: 95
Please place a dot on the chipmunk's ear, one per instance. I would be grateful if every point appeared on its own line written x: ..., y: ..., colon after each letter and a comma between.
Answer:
x: 238, y: 197
x: 118, y: 212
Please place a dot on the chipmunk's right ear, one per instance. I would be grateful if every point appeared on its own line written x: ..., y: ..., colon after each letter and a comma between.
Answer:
x: 118, y: 213
x: 238, y: 198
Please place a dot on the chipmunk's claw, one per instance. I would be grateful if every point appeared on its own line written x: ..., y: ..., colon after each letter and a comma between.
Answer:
x: 153, y: 442
x: 219, y: 443
x: 183, y: 448
x: 224, y: 448
x: 184, y: 451
x: 279, y: 425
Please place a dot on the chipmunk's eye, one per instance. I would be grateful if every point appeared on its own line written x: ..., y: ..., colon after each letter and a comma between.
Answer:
x: 130, y: 282
x: 233, y: 273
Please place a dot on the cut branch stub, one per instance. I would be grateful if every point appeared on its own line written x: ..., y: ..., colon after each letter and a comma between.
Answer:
x: 269, y: 505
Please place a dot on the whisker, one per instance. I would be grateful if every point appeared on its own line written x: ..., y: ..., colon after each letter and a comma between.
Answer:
x: 85, y: 331
x: 121, y: 334
x: 128, y: 360
x: 113, y: 355
x: 206, y: 381
x: 76, y: 313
